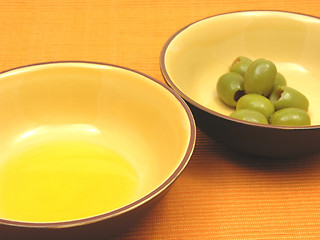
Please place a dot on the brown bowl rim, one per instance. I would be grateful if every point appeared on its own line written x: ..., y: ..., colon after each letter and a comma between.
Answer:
x: 137, y: 203
x: 171, y: 83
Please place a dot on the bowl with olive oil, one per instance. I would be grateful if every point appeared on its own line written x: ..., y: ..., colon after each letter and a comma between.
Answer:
x: 86, y: 148
x: 251, y: 80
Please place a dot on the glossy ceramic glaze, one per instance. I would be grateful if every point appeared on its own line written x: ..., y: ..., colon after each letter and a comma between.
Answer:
x: 114, y: 107
x: 196, y: 56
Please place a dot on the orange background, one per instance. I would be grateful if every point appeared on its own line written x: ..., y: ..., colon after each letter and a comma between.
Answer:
x: 221, y: 194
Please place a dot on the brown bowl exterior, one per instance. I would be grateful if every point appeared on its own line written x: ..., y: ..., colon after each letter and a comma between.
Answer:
x: 256, y: 139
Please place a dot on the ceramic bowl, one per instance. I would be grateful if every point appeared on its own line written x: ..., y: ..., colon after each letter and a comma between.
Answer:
x: 86, y: 148
x: 194, y: 58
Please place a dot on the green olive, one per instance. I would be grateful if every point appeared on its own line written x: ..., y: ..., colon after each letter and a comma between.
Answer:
x: 249, y: 115
x: 256, y: 102
x: 290, y: 117
x: 230, y: 88
x: 280, y: 80
x: 260, y: 77
x: 240, y: 65
x: 285, y: 97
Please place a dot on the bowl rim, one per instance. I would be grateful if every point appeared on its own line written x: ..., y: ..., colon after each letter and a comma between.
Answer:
x: 142, y: 200
x: 197, y: 105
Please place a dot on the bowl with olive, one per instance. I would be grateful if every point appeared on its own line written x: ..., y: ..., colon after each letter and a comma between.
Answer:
x: 251, y: 79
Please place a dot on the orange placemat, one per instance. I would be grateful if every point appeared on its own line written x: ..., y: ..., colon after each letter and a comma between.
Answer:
x: 226, y: 195
x: 221, y: 194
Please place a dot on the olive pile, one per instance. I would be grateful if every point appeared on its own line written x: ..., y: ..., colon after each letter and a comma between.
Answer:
x: 259, y: 93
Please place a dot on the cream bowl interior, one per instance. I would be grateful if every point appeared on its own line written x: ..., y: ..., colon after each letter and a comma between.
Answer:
x: 101, y: 105
x: 195, y: 57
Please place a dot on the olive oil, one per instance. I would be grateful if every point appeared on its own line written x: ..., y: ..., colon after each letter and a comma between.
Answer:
x: 62, y: 180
